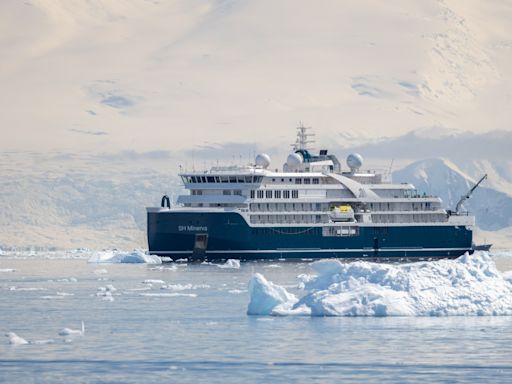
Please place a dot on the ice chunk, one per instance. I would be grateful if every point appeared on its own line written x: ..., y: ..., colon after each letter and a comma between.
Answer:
x: 73, y: 332
x: 7, y: 270
x: 184, y: 287
x: 14, y: 339
x: 470, y: 285
x: 173, y: 294
x: 230, y: 263
x: 266, y: 297
x: 153, y: 281
x: 115, y: 257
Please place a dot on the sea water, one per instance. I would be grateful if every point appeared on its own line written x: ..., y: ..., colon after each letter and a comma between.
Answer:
x: 188, y: 323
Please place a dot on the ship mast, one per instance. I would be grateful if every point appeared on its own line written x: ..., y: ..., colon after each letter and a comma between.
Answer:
x: 303, y: 138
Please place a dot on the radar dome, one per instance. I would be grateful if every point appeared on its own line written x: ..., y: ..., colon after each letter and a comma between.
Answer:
x: 263, y: 160
x: 294, y: 160
x: 354, y: 161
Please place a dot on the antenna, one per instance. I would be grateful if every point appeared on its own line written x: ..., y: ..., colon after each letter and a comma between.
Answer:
x: 303, y: 138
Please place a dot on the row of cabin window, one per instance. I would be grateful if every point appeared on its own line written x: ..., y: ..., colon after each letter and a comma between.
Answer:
x: 298, y: 180
x: 199, y: 192
x: 222, y: 179
x: 274, y: 194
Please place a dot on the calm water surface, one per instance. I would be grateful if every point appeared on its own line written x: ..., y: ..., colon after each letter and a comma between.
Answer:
x: 199, y: 331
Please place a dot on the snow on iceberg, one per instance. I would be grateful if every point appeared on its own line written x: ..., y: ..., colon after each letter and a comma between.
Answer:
x: 115, y: 257
x: 468, y: 286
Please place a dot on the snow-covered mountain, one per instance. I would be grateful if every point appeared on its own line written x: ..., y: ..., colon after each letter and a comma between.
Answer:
x: 145, y: 75
x: 441, y: 177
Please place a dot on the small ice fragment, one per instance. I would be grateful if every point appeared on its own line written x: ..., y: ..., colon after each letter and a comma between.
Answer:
x: 7, y: 270
x: 100, y: 271
x: 237, y: 291
x: 153, y: 281
x: 72, y: 332
x: 40, y: 342
x: 184, y: 287
x: 174, y: 294
x: 14, y: 339
x: 230, y: 263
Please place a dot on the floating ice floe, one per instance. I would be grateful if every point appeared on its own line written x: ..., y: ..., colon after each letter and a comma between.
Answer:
x: 7, y: 270
x: 237, y: 291
x: 173, y: 294
x: 230, y: 263
x: 184, y: 287
x: 106, y: 292
x: 14, y: 339
x: 272, y: 266
x: 73, y: 332
x: 14, y: 288
x: 468, y: 286
x: 116, y: 257
x: 153, y: 281
x: 67, y: 280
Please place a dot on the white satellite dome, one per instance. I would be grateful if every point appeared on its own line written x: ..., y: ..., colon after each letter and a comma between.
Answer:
x: 262, y: 160
x: 294, y: 160
x: 354, y: 161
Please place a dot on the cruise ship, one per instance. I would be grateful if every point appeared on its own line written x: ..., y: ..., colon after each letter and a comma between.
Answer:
x: 313, y: 208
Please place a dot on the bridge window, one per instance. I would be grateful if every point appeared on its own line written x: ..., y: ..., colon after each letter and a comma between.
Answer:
x: 277, y: 194
x: 260, y: 194
x: 226, y: 192
x: 298, y: 181
x: 316, y: 180
x: 295, y: 194
x: 286, y: 194
x: 248, y: 179
x: 237, y: 192
x: 307, y: 181
x: 252, y: 194
x: 232, y: 179
x: 211, y: 179
x: 268, y: 194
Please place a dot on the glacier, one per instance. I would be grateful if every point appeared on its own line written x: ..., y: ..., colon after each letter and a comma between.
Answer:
x: 468, y: 286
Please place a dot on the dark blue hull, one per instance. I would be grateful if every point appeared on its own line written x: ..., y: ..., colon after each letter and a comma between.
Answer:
x: 223, y: 235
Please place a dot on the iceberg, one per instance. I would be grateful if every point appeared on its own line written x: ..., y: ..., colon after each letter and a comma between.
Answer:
x: 268, y: 298
x: 115, y: 257
x: 468, y: 286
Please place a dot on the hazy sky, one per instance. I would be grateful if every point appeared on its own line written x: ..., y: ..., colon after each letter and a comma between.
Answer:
x: 107, y: 76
